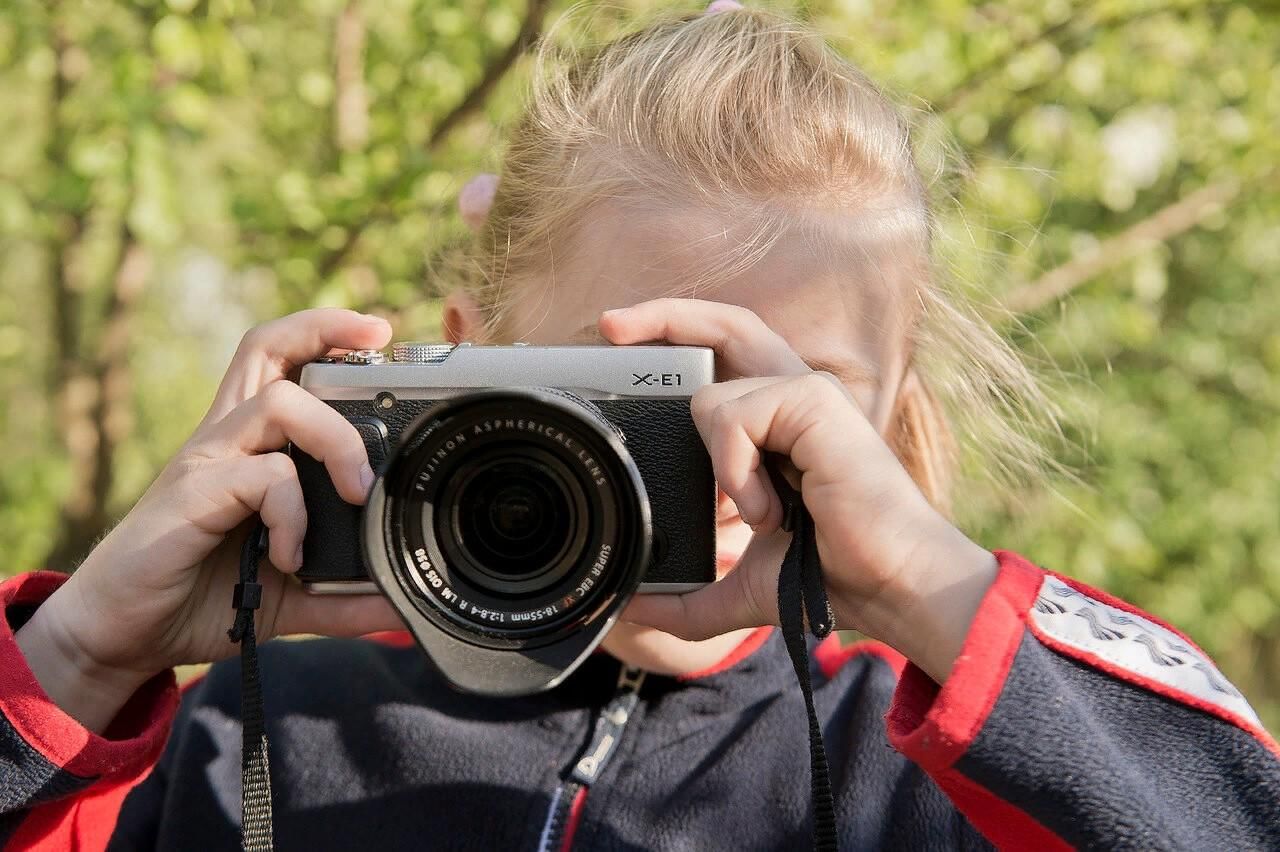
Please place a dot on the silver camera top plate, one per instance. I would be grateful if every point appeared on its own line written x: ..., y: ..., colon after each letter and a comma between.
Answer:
x: 596, y: 372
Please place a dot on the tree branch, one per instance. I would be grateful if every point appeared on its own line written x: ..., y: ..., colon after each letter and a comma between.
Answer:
x: 979, y: 76
x: 1164, y: 224
x: 498, y: 67
x: 112, y: 414
x: 530, y: 30
x: 1056, y: 34
x: 66, y: 229
x: 97, y: 410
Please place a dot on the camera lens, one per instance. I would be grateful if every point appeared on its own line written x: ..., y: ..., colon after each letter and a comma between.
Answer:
x: 513, y: 517
x: 512, y: 522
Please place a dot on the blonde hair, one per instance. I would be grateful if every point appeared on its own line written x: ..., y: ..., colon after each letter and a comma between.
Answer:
x: 754, y: 119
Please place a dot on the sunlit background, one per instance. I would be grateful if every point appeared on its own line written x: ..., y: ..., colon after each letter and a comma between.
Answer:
x: 172, y: 173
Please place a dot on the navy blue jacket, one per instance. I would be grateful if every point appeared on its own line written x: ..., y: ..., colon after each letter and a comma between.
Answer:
x: 1070, y: 719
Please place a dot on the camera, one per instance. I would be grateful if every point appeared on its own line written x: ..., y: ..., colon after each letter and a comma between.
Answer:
x: 522, y: 495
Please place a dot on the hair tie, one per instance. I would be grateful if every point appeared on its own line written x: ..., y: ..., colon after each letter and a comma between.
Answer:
x: 718, y: 6
x: 476, y: 197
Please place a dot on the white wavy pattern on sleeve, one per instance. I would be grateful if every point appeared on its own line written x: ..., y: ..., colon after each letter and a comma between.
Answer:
x: 1133, y: 643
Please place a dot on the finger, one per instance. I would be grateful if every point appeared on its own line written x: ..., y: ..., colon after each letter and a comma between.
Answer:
x: 811, y: 419
x: 274, y: 477
x: 808, y: 420
x: 745, y: 597
x: 736, y: 461
x: 226, y: 492
x: 284, y: 513
x: 745, y: 346
x: 333, y: 615
x: 283, y: 412
x: 271, y: 351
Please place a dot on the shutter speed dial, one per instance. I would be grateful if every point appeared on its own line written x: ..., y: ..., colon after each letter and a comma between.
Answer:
x: 421, y: 353
x: 401, y: 353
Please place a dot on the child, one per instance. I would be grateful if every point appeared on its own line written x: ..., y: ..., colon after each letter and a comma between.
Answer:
x: 732, y: 160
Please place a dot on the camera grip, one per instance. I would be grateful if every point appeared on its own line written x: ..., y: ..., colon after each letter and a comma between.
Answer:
x: 331, y: 548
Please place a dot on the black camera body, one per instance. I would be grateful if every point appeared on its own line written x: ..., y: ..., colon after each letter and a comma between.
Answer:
x: 523, y: 494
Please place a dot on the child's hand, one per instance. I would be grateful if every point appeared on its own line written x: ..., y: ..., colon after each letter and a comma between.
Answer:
x: 156, y: 592
x: 894, y: 568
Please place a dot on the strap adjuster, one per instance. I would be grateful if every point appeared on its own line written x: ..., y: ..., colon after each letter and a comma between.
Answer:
x: 246, y: 596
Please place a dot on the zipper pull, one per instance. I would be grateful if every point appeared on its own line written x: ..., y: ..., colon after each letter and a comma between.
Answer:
x: 610, y: 723
x: 566, y: 805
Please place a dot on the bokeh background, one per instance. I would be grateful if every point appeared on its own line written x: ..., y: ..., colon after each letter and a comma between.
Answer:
x: 173, y: 172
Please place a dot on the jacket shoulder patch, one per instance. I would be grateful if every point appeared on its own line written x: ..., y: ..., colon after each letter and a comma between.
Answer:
x: 1134, y: 644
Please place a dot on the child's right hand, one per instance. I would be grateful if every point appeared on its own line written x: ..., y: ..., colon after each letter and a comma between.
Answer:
x: 156, y: 592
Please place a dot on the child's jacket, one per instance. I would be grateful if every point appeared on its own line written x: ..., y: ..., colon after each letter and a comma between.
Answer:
x: 1070, y: 720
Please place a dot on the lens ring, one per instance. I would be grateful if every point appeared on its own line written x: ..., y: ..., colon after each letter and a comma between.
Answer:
x: 575, y: 432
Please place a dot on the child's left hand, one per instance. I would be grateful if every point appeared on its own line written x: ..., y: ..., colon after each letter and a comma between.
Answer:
x: 894, y: 568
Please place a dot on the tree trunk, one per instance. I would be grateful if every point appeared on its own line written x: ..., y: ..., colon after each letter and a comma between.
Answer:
x: 98, y: 414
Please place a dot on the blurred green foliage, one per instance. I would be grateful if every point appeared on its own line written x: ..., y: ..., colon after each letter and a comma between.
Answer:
x: 173, y: 172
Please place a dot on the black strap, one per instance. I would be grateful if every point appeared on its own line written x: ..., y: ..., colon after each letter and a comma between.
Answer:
x: 255, y: 774
x: 801, y: 596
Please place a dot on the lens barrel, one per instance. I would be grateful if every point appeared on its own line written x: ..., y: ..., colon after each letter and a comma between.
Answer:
x: 512, y: 517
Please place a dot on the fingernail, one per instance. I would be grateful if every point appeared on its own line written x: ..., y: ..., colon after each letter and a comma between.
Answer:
x: 614, y: 312
x: 297, y: 556
x: 366, y: 476
x: 372, y: 319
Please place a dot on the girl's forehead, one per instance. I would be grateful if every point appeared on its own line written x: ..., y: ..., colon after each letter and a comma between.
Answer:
x: 623, y: 255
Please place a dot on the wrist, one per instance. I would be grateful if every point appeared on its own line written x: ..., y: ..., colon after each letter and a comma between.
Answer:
x: 927, y: 612
x: 74, y: 679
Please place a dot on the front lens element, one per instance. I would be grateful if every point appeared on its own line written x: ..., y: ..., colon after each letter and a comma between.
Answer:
x: 514, y: 521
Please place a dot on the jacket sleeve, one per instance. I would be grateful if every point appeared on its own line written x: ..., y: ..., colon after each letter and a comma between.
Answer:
x: 1071, y: 719
x: 61, y: 785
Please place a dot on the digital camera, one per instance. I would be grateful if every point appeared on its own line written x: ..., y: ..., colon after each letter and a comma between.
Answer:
x: 523, y: 495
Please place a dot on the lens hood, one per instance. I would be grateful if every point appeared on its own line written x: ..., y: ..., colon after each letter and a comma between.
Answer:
x: 487, y: 635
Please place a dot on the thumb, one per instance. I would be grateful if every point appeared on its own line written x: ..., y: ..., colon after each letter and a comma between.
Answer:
x: 745, y: 597
x: 337, y: 615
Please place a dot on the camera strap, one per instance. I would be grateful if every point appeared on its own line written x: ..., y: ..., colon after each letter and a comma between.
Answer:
x: 801, y: 597
x: 255, y: 774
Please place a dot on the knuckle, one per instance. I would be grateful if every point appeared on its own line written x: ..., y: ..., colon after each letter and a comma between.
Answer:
x: 256, y: 338
x: 744, y: 319
x: 819, y: 382
x: 277, y: 396
x: 724, y: 417
x: 280, y: 466
x: 702, y: 402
